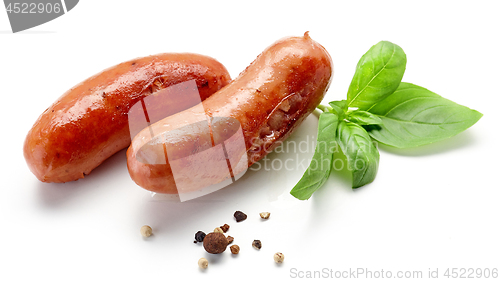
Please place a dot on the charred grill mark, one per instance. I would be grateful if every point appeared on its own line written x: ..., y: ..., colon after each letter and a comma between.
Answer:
x: 204, y: 83
x: 279, y: 122
x: 286, y: 114
x: 159, y: 83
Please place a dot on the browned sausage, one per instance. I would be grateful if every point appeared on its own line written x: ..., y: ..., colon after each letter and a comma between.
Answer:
x: 267, y: 102
x: 89, y: 123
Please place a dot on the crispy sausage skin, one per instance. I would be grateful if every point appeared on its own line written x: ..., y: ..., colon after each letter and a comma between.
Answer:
x: 88, y: 123
x: 269, y: 99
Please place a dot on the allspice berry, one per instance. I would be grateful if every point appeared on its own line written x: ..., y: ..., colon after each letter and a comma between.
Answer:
x: 279, y: 257
x: 203, y: 263
x: 235, y: 249
x: 215, y: 243
x: 146, y: 231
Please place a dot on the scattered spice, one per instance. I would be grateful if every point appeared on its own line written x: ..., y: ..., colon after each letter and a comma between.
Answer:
x: 235, y: 249
x: 257, y: 244
x: 279, y: 257
x: 264, y: 215
x: 146, y: 231
x: 239, y: 216
x: 215, y: 243
x: 203, y: 263
x: 224, y: 228
x: 199, y: 236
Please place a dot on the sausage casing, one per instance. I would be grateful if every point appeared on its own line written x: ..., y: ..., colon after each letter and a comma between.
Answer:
x: 88, y: 123
x: 267, y: 101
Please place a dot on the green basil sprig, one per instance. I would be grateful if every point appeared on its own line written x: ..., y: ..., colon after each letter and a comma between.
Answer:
x: 321, y: 164
x: 362, y: 156
x: 377, y: 75
x: 363, y: 118
x: 414, y: 116
x: 379, y: 107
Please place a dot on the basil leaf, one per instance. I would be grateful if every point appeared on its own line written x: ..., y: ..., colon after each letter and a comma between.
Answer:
x: 321, y: 164
x: 377, y: 75
x: 339, y: 108
x: 414, y: 116
x: 363, y: 118
x: 362, y: 156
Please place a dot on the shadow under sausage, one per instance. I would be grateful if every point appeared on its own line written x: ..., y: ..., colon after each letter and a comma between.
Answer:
x: 59, y: 194
x: 170, y: 214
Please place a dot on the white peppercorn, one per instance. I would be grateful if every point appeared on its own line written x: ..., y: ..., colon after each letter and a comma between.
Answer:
x: 279, y: 257
x: 146, y: 231
x: 203, y: 263
x: 265, y: 215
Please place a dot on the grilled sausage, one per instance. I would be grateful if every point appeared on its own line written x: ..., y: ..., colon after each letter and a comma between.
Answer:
x: 267, y: 101
x: 89, y: 123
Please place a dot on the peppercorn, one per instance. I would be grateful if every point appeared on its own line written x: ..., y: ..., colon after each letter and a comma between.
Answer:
x: 218, y: 230
x: 239, y: 216
x: 199, y: 236
x: 230, y: 239
x: 279, y: 257
x: 235, y: 249
x: 264, y: 215
x: 224, y: 228
x: 215, y: 243
x: 257, y: 244
x: 203, y: 263
x: 146, y: 231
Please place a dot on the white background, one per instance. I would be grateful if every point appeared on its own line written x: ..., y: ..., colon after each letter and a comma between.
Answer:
x: 436, y: 206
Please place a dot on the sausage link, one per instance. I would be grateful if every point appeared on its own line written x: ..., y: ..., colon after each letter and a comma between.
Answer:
x: 89, y: 123
x: 268, y: 100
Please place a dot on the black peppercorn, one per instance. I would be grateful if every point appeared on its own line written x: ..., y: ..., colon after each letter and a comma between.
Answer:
x: 239, y: 216
x: 257, y: 244
x: 199, y: 236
